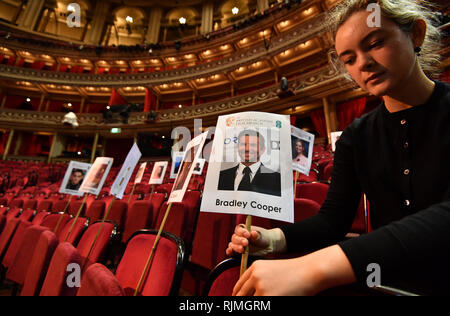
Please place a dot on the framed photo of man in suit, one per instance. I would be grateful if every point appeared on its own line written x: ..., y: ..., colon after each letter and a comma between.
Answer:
x: 250, y: 167
x: 250, y: 174
x: 75, y: 174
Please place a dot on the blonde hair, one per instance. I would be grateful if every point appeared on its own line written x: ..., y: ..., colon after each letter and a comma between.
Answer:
x: 404, y: 13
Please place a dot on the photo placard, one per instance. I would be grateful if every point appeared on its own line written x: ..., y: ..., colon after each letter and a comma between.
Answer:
x: 124, y: 175
x: 158, y: 172
x: 74, y: 177
x: 96, y: 177
x: 250, y: 167
x: 193, y: 151
x: 302, y: 150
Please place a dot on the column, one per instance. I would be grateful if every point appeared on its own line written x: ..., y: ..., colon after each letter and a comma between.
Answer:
x: 262, y: 5
x: 154, y: 26
x: 330, y: 123
x: 18, y: 143
x: 94, y: 35
x: 31, y: 14
x: 207, y: 18
x: 3, y: 101
x: 52, y: 148
x: 8, y: 144
x: 83, y: 100
x: 94, y: 147
x: 41, y: 102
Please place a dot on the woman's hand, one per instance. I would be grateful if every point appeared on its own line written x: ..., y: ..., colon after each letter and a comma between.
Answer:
x: 261, y: 241
x: 307, y: 275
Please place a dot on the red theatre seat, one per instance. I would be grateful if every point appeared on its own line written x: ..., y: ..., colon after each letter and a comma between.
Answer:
x: 39, y: 263
x: 107, y: 232
x: 96, y: 210
x: 100, y: 281
x: 55, y: 283
x: 19, y: 266
x: 166, y: 270
x: 139, y: 216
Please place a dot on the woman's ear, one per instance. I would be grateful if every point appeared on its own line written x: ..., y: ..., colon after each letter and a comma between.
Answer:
x: 419, y: 32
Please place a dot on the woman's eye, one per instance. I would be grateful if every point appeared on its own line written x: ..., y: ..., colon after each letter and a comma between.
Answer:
x: 376, y: 44
x: 349, y: 61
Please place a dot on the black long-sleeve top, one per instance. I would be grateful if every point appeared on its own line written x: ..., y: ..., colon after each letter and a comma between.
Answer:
x: 401, y: 161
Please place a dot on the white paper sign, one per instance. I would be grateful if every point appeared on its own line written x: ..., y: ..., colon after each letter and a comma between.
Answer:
x: 198, y: 166
x: 250, y: 167
x: 122, y: 179
x: 177, y: 157
x: 75, y: 173
x: 140, y: 173
x: 159, y: 170
x: 302, y: 150
x: 193, y: 151
x: 334, y: 138
x: 95, y: 178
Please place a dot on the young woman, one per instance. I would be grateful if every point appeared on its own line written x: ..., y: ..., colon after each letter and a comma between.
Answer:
x: 300, y: 158
x: 397, y: 155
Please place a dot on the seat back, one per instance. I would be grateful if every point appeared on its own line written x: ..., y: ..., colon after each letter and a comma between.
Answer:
x: 75, y: 206
x: 7, y: 234
x: 44, y: 206
x: 96, y: 210
x: 19, y: 266
x: 39, y: 263
x: 16, y: 203
x: 99, y: 281
x: 55, y: 283
x: 30, y: 205
x: 39, y: 217
x: 315, y: 191
x: 212, y: 234
x: 222, y: 278
x: 118, y: 213
x: 76, y: 230
x: 52, y: 220
x: 139, y: 216
x: 304, y: 208
x: 107, y: 232
x: 166, y: 269
x: 15, y: 243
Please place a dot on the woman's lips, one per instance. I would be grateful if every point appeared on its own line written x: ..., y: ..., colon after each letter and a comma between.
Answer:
x: 374, y: 78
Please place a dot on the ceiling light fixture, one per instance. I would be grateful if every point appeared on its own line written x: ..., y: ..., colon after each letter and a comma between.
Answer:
x: 235, y: 10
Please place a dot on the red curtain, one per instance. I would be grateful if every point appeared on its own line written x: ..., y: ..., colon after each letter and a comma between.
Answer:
x: 116, y: 98
x: 445, y: 76
x: 318, y: 119
x: 293, y: 120
x: 150, y: 100
x: 3, y: 141
x: 348, y: 111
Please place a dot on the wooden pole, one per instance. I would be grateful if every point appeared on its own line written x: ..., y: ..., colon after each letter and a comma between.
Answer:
x: 94, y: 148
x: 98, y: 232
x: 244, y: 259
x: 8, y: 144
x: 155, y: 244
x: 62, y: 215
x: 295, y: 183
x: 76, y: 217
x: 131, y: 195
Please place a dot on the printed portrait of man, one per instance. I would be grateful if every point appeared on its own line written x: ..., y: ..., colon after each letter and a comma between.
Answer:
x: 250, y: 174
x: 75, y: 179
